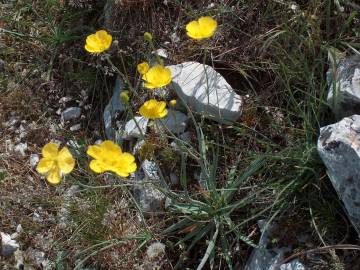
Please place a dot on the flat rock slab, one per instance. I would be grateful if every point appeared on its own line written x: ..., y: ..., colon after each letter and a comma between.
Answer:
x: 174, y: 122
x: 70, y: 113
x: 339, y: 148
x: 344, y: 86
x: 149, y: 198
x: 206, y: 91
x: 135, y: 128
x: 112, y: 108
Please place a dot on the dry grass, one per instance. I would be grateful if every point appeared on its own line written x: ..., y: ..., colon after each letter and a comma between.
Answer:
x: 45, y: 61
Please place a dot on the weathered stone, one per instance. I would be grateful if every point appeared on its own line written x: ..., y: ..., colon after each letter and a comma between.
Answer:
x: 343, y: 79
x: 263, y: 258
x: 206, y: 91
x: 135, y: 128
x: 21, y: 148
x: 34, y: 159
x: 293, y: 265
x: 76, y: 127
x: 70, y: 114
x: 8, y: 245
x: 139, y: 144
x: 174, y: 122
x: 149, y: 198
x: 112, y: 108
x: 339, y: 148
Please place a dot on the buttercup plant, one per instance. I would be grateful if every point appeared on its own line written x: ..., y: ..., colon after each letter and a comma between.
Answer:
x: 204, y: 27
x: 55, y: 163
x: 153, y: 109
x: 98, y: 42
x: 108, y: 156
x: 156, y: 77
x: 143, y: 67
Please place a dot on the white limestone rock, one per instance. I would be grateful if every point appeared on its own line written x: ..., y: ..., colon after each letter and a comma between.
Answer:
x: 174, y: 121
x: 343, y: 79
x: 135, y: 128
x: 206, y: 91
x: 339, y: 147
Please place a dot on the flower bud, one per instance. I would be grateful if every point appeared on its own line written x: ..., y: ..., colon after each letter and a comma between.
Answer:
x: 124, y: 96
x: 173, y: 102
x: 148, y: 37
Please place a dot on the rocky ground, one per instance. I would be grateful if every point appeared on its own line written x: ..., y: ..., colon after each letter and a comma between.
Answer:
x: 251, y: 178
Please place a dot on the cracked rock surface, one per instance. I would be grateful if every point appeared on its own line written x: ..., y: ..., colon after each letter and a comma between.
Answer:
x: 339, y: 147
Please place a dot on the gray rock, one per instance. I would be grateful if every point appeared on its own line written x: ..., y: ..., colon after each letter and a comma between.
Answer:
x: 293, y: 265
x: 21, y: 148
x: 343, y: 79
x: 339, y: 147
x: 76, y: 127
x: 174, y: 121
x: 206, y: 91
x: 149, y: 198
x: 186, y: 137
x: 151, y: 170
x: 138, y: 146
x: 70, y: 114
x: 179, y: 145
x: 263, y: 258
x: 161, y: 52
x: 8, y: 245
x: 34, y: 159
x: 112, y: 108
x: 135, y: 128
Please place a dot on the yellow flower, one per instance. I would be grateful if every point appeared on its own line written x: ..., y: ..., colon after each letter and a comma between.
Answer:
x: 108, y: 156
x: 148, y: 37
x: 143, y: 67
x: 153, y: 109
x: 204, y: 27
x: 98, y: 42
x: 173, y: 102
x: 55, y: 163
x: 157, y: 77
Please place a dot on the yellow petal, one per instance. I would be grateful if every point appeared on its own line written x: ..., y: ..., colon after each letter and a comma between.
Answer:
x: 192, y: 27
x: 150, y: 86
x: 45, y: 165
x: 91, y: 49
x: 54, y: 177
x: 92, y: 41
x: 143, y: 67
x: 110, y: 146
x: 65, y: 161
x: 127, y: 158
x: 163, y: 113
x: 207, y: 22
x: 161, y: 106
x: 94, y: 151
x: 97, y: 166
x: 50, y: 150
